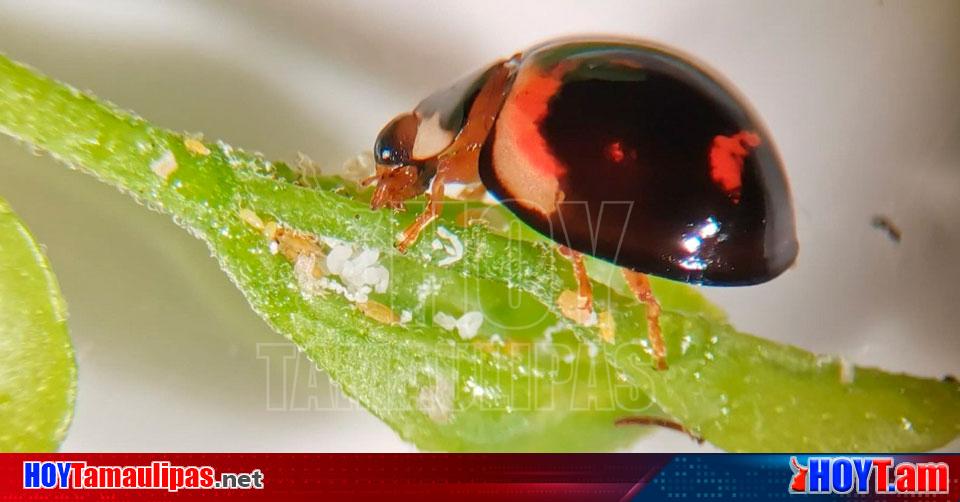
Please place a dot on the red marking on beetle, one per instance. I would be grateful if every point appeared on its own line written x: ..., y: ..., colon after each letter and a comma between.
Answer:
x: 615, y: 151
x: 726, y: 160
x: 530, y: 108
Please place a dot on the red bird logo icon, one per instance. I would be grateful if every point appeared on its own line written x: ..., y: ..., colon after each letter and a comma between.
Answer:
x: 799, y: 481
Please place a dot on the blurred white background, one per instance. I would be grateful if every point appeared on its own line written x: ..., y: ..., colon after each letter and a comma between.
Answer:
x: 863, y: 98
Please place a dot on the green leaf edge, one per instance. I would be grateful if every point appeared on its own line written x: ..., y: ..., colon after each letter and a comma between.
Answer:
x: 55, y: 375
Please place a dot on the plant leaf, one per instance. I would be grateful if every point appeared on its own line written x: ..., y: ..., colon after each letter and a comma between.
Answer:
x: 748, y: 394
x: 537, y: 390
x: 37, y: 370
x: 433, y: 388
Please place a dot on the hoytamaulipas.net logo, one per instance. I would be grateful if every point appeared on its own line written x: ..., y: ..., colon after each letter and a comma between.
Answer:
x: 158, y: 475
x: 876, y: 475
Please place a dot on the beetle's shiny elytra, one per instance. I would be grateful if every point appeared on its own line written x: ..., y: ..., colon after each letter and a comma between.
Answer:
x: 620, y: 150
x: 617, y: 149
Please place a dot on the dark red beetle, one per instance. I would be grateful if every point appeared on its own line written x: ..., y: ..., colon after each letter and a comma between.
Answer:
x: 619, y: 149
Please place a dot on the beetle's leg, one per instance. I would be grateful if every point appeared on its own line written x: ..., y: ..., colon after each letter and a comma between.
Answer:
x: 584, y: 289
x: 458, y: 163
x: 429, y: 213
x: 640, y: 285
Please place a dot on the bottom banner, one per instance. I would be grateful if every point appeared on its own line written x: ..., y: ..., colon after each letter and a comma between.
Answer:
x: 502, y: 477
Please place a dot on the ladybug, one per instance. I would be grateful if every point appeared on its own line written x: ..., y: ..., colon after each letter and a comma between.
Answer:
x: 620, y: 149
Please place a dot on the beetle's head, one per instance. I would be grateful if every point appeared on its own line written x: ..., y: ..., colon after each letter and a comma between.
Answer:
x: 399, y: 177
x: 396, y: 184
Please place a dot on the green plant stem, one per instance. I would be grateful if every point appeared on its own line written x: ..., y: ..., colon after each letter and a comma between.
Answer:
x: 737, y: 391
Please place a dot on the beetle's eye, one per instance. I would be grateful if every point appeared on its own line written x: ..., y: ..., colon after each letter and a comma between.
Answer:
x: 386, y: 155
x: 395, y: 141
x: 388, y: 152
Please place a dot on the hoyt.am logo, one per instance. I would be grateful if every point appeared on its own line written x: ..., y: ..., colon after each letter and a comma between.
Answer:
x: 879, y: 475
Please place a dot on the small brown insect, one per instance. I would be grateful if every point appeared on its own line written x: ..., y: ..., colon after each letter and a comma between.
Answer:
x: 884, y: 223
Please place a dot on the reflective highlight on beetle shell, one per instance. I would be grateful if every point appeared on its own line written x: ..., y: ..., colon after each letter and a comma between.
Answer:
x: 637, y: 156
